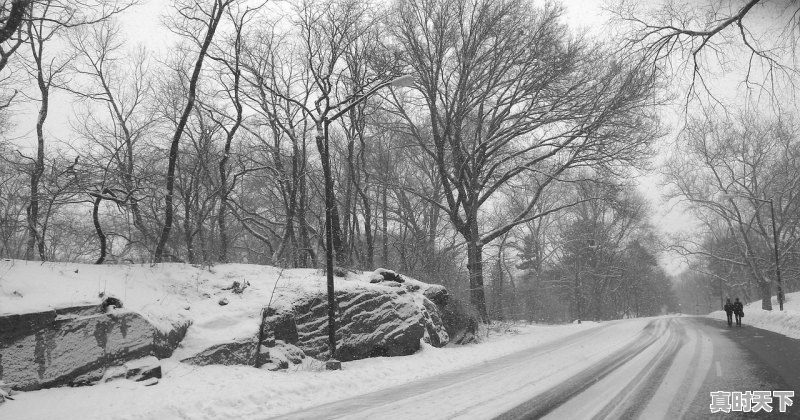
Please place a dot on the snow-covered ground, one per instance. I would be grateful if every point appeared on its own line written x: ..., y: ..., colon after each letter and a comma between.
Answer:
x: 786, y: 322
x: 167, y: 294
x: 241, y: 392
x: 170, y: 293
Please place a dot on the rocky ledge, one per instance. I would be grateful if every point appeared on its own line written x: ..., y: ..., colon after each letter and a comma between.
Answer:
x: 377, y: 314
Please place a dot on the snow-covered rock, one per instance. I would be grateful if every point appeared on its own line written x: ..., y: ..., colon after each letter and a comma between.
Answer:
x: 383, y: 274
x: 241, y: 352
x: 372, y: 321
x: 437, y: 294
x: 69, y: 345
x: 285, y: 353
x: 436, y: 335
x: 172, y: 311
x: 142, y: 369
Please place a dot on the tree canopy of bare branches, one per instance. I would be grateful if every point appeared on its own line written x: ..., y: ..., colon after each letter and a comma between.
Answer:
x: 505, y: 90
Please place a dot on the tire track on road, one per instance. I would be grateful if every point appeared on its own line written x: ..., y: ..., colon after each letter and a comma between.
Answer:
x: 548, y: 401
x: 358, y: 406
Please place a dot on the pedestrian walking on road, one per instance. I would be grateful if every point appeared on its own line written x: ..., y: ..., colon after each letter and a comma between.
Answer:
x: 729, y: 311
x: 738, y: 310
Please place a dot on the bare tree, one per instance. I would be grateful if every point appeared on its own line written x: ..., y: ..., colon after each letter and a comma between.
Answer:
x: 48, y: 20
x: 508, y: 91
x: 732, y: 171
x: 120, y: 85
x: 12, y: 15
x: 705, y: 37
x: 197, y: 23
x: 280, y: 157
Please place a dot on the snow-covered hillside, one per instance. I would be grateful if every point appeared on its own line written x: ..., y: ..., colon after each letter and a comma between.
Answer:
x: 786, y: 322
x: 169, y: 293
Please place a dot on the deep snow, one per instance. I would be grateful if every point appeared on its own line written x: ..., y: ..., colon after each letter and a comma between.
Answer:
x: 786, y: 322
x: 169, y: 293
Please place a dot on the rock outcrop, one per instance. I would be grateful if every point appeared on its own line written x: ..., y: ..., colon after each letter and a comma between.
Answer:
x: 371, y: 320
x: 85, y: 344
x: 74, y: 346
x: 237, y: 353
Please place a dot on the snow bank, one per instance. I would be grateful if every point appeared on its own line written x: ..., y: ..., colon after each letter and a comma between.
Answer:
x: 786, y: 322
x: 214, y: 392
x: 170, y: 294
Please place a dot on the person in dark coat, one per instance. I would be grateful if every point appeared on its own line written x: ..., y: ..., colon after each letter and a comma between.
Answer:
x: 738, y: 310
x: 729, y: 311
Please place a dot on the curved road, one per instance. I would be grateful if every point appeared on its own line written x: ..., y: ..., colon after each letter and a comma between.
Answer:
x: 648, y: 369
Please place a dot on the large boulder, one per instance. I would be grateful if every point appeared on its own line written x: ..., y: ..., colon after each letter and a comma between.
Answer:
x: 460, y: 321
x: 437, y: 294
x: 435, y: 332
x: 70, y: 345
x: 371, y: 321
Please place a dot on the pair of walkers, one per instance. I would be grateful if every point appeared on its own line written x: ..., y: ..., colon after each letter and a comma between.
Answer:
x: 735, y: 308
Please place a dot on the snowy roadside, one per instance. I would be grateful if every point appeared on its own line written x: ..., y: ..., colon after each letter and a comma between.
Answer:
x: 220, y: 392
x: 786, y: 322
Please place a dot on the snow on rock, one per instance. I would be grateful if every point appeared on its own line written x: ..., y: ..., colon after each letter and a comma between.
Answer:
x: 285, y: 353
x: 786, y: 322
x: 171, y: 311
x: 383, y: 274
x: 241, y: 352
x: 372, y: 321
x: 436, y: 335
x: 142, y: 369
x: 241, y: 392
x: 437, y: 294
x: 71, y: 345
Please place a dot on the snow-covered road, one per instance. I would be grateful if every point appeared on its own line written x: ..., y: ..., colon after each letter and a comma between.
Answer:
x: 650, y: 368
x: 654, y: 368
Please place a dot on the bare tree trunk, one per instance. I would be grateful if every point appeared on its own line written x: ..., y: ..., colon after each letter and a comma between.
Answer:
x: 235, y: 69
x: 370, y: 262
x: 34, y: 236
x: 214, y: 18
x: 14, y: 19
x: 475, y: 267
x: 187, y: 228
x: 100, y: 235
x: 305, y: 239
x: 385, y: 227
x: 765, y: 289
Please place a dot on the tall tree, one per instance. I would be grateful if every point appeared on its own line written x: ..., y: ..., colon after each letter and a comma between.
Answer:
x: 197, y: 23
x: 509, y: 91
x: 733, y: 170
x: 12, y: 33
x: 119, y: 83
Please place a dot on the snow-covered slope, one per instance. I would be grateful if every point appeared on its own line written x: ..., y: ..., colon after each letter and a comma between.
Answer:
x: 169, y: 294
x: 242, y: 392
x: 786, y: 322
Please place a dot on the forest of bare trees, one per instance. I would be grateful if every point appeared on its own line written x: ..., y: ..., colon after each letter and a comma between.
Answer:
x: 502, y: 170
x: 739, y: 174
